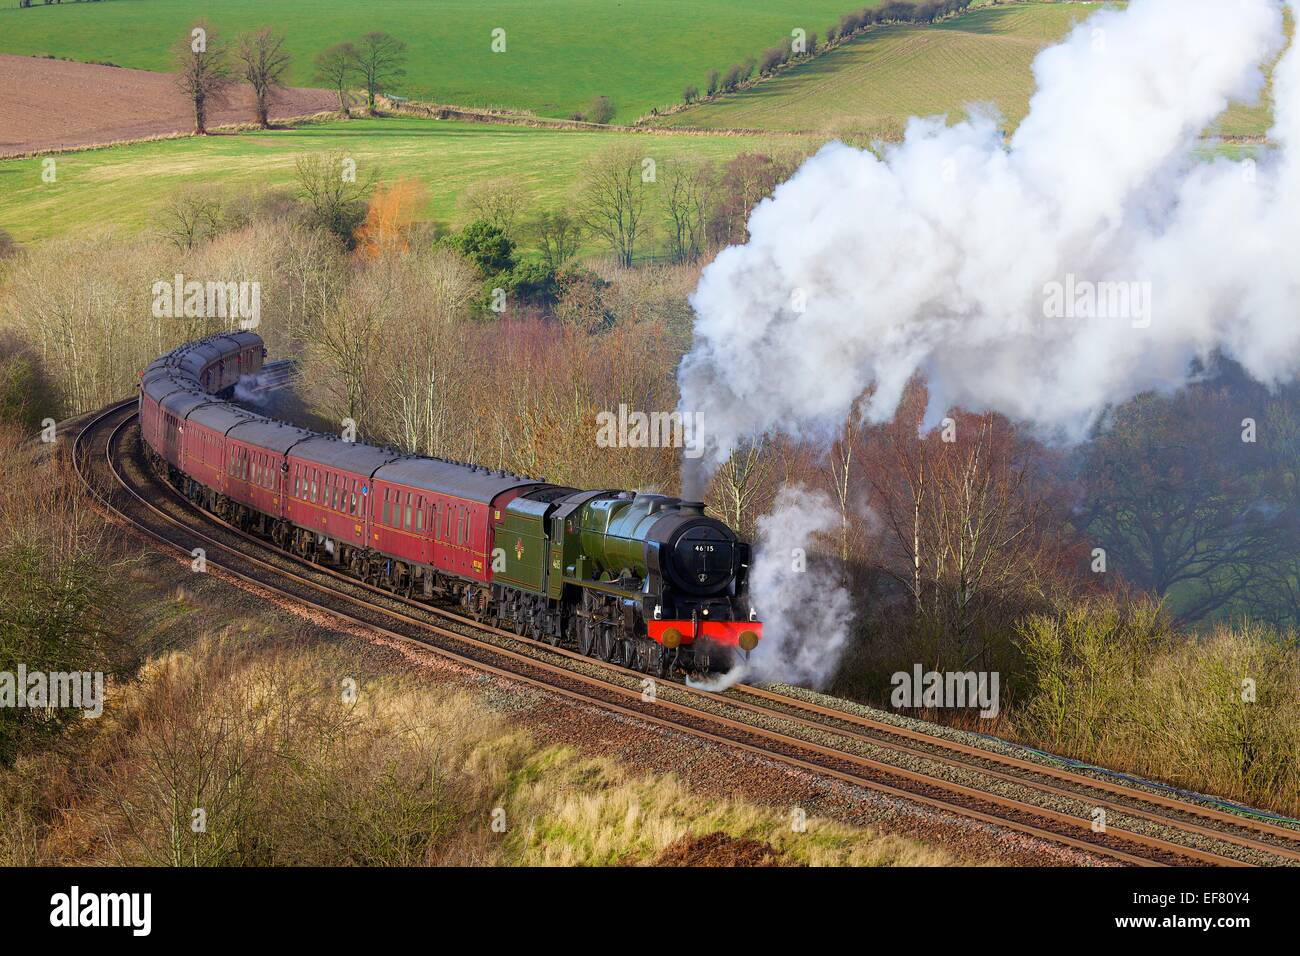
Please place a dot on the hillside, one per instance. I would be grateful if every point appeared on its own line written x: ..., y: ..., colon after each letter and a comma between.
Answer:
x: 872, y: 85
x: 639, y: 55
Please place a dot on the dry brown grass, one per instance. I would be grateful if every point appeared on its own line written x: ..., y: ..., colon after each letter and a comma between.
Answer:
x: 1113, y: 685
x: 288, y: 772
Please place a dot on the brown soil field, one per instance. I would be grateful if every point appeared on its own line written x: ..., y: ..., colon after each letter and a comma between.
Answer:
x: 57, y: 104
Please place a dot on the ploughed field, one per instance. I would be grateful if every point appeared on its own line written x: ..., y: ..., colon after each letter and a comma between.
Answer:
x: 53, y: 104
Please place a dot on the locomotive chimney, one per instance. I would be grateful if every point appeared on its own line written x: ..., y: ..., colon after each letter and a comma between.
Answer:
x: 691, y: 507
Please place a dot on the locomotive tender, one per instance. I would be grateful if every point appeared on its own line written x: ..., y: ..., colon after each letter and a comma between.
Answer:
x: 645, y: 580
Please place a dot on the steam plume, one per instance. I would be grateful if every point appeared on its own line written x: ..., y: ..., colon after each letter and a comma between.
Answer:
x: 806, y: 612
x: 860, y: 271
x: 940, y: 257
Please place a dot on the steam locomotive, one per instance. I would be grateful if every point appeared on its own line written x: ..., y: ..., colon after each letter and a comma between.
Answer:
x: 643, y: 580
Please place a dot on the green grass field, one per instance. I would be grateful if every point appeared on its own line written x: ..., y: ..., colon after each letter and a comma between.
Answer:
x: 126, y: 185
x: 559, y: 54
x: 874, y: 84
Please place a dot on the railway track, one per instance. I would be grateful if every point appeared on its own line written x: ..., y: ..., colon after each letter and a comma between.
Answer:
x: 1049, y: 803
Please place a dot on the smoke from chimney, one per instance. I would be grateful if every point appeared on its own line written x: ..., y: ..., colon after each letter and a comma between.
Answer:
x: 1089, y: 258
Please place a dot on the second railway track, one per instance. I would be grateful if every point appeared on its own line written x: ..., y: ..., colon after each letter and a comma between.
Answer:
x: 1049, y: 803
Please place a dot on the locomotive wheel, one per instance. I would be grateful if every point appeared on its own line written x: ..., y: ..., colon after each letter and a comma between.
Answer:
x: 586, y: 637
x: 632, y: 655
x: 607, y: 646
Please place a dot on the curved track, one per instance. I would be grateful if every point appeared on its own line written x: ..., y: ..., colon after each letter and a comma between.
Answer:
x: 1038, y: 800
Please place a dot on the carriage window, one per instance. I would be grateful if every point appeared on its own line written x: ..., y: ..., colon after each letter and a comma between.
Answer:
x: 407, y: 523
x: 419, y: 514
x: 387, y: 506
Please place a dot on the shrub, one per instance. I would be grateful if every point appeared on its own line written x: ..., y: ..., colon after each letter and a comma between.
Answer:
x: 530, y: 282
x: 1110, y: 682
x: 26, y: 395
x: 771, y: 59
x: 601, y: 110
x: 486, y: 246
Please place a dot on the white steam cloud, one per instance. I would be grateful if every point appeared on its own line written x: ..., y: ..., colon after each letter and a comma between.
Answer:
x: 965, y: 258
x: 939, y: 256
x: 806, y: 612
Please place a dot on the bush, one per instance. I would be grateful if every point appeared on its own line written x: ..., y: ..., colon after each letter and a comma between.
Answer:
x: 531, y: 282
x: 690, y: 94
x: 486, y: 246
x: 58, y: 586
x: 601, y: 110
x: 1111, y: 683
x: 26, y: 395
x: 771, y: 59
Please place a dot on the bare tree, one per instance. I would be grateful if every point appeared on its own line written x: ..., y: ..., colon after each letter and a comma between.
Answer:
x: 613, y: 199
x: 203, y: 72
x: 336, y: 66
x: 498, y: 201
x: 263, y: 61
x: 189, y: 217
x: 742, y: 489
x: 557, y: 235
x: 378, y: 58
x: 842, y: 465
x: 688, y: 195
x: 334, y: 192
